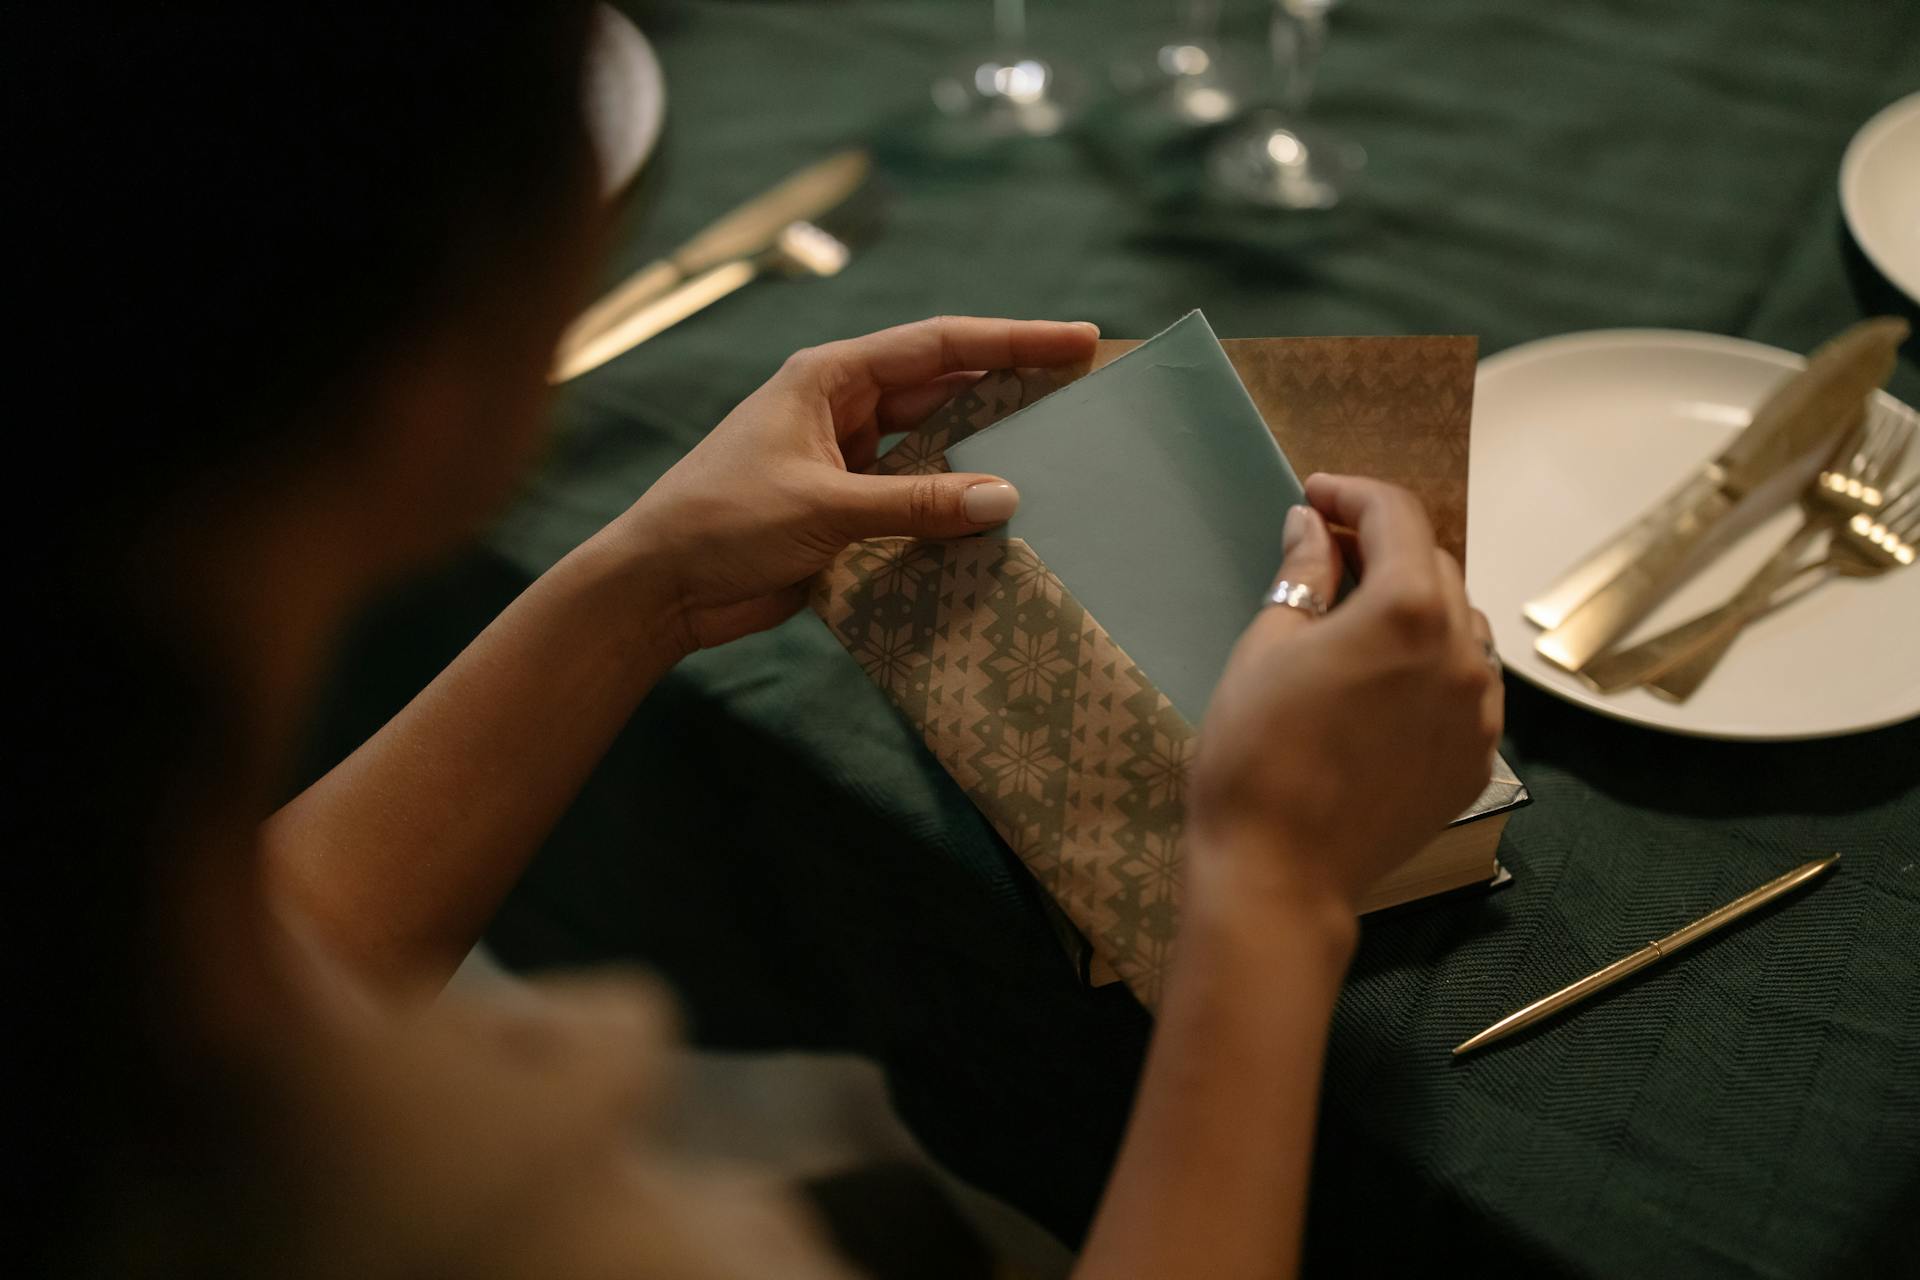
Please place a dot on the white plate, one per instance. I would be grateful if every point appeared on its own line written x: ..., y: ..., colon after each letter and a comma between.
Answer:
x: 1880, y: 192
x: 626, y: 97
x: 1574, y: 436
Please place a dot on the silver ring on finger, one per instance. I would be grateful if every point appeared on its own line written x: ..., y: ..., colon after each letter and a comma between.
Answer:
x: 1296, y: 595
x: 1493, y: 657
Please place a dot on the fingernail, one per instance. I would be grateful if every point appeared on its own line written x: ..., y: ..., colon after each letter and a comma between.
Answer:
x: 1088, y: 325
x: 990, y: 502
x: 1299, y: 518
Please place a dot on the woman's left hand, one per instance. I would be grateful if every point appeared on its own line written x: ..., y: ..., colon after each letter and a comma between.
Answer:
x: 740, y: 524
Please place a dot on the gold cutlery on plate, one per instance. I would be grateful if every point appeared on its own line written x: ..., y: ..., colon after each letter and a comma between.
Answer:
x: 1613, y: 589
x: 751, y: 229
x: 1866, y: 546
x: 1854, y: 483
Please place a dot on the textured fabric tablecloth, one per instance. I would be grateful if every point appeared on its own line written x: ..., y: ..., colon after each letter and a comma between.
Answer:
x: 772, y: 836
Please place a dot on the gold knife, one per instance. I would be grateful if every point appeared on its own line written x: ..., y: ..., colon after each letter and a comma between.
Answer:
x: 1607, y: 594
x: 747, y: 230
x: 801, y: 249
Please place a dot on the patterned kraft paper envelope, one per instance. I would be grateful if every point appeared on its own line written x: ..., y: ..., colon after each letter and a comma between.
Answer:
x: 1073, y: 755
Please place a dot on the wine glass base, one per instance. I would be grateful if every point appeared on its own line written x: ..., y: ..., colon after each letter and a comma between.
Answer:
x: 1191, y: 81
x: 1010, y: 96
x: 1279, y: 163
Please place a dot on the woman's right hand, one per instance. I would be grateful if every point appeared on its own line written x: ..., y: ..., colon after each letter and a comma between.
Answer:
x: 1336, y: 747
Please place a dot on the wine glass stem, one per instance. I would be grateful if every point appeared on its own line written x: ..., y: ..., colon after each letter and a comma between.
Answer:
x: 1010, y: 25
x: 1297, y: 41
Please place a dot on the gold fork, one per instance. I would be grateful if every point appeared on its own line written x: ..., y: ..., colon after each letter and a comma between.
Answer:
x: 1852, y: 487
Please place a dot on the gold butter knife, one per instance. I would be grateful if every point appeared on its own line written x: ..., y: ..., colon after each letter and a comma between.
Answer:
x: 801, y: 249
x: 1613, y: 589
x: 750, y: 229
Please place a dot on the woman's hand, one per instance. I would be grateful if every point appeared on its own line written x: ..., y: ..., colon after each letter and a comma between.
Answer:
x: 767, y: 499
x: 1336, y: 747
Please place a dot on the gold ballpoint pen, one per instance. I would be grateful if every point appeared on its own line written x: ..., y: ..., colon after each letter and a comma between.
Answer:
x: 1574, y: 993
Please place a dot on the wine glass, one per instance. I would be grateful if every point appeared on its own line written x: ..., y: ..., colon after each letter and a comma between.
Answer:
x: 1277, y: 158
x: 1187, y: 76
x: 1010, y: 91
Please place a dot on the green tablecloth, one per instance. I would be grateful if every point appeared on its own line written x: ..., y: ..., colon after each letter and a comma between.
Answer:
x: 777, y: 841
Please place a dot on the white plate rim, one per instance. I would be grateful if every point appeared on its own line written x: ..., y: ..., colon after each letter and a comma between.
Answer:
x: 1574, y: 693
x: 1853, y: 166
x: 619, y: 44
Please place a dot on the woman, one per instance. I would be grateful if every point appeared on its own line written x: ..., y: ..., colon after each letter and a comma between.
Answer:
x: 315, y: 362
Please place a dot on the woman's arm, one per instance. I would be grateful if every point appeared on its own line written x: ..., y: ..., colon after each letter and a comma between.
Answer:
x: 400, y: 855
x: 1212, y: 1177
x: 1334, y: 748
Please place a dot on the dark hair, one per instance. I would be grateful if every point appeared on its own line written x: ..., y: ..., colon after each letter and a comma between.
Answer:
x: 232, y: 207
x: 226, y: 214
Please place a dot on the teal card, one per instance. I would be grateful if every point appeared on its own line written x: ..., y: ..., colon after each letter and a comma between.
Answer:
x: 1155, y: 492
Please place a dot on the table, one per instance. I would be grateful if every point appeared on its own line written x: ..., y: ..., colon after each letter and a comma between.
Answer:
x: 772, y: 837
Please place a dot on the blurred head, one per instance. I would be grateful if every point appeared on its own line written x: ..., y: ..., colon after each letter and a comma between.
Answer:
x: 285, y: 245
x: 289, y: 275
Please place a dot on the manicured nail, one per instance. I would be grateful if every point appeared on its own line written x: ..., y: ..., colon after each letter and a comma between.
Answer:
x: 990, y: 502
x: 1299, y: 519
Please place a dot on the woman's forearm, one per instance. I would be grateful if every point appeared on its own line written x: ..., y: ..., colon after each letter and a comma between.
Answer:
x: 1212, y: 1176
x: 400, y: 855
